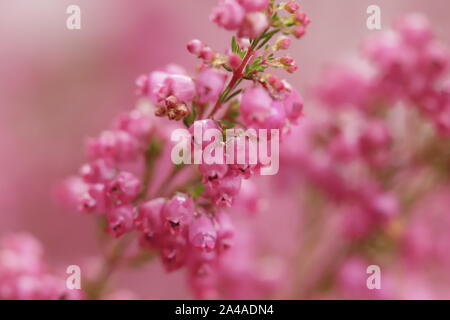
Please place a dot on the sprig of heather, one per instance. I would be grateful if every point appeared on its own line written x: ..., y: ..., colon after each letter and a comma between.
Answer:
x: 188, y: 224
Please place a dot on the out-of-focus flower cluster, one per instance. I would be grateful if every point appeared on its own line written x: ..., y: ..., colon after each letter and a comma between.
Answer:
x: 377, y: 159
x: 24, y: 275
x: 187, y: 223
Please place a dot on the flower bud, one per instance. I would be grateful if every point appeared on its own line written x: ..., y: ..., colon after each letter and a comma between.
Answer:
x: 195, y: 46
x: 234, y: 60
x: 207, y: 54
x: 291, y: 6
x: 283, y: 43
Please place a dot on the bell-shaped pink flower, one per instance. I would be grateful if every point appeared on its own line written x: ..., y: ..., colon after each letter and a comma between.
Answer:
x: 293, y: 106
x: 224, y: 190
x: 210, y: 84
x: 228, y: 14
x: 163, y: 85
x: 178, y: 212
x: 99, y: 170
x: 253, y: 25
x: 120, y: 220
x: 202, y: 234
x: 123, y: 188
x: 203, y: 126
x: 137, y: 123
x: 117, y: 145
x: 256, y: 105
x: 213, y: 171
x: 149, y: 222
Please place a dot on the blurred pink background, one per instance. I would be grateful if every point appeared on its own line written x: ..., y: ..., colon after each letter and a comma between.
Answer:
x: 59, y: 86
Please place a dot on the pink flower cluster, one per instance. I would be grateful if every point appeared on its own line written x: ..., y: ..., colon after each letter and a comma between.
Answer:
x: 409, y: 65
x: 188, y: 225
x: 376, y: 155
x: 24, y: 274
x: 250, y: 18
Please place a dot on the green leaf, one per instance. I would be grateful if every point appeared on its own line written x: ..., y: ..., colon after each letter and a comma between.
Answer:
x: 231, y: 96
x: 198, y: 190
x: 227, y: 124
x: 234, y: 46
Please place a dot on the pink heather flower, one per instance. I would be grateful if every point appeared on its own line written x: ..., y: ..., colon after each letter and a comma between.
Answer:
x: 178, y: 212
x: 302, y: 18
x: 244, y: 43
x: 117, y: 145
x: 99, y: 170
x: 228, y: 14
x: 71, y: 191
x: 225, y: 230
x: 173, y: 252
x: 94, y: 201
x: 276, y: 119
x: 195, y: 46
x: 254, y: 5
x: 163, y: 85
x: 202, y: 234
x: 283, y: 43
x: 123, y: 188
x: 256, y: 104
x: 293, y: 106
x: 210, y: 84
x: 180, y: 86
x: 415, y: 29
x: 204, y: 124
x: 299, y: 32
x: 149, y: 222
x: 291, y: 6
x: 120, y: 220
x: 289, y: 64
x: 137, y: 123
x: 225, y: 189
x: 207, y: 54
x: 212, y: 172
x: 253, y: 25
x: 234, y: 60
